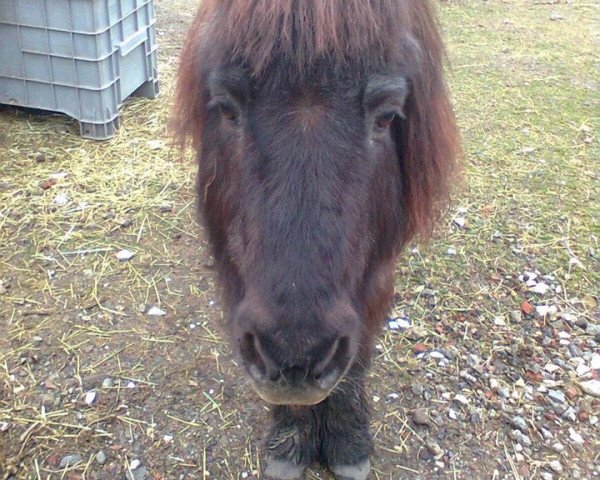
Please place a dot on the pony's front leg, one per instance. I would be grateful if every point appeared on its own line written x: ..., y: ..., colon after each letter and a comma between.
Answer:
x: 346, y: 443
x: 292, y: 444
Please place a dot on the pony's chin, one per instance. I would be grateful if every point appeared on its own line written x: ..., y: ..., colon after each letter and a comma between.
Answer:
x: 305, y: 397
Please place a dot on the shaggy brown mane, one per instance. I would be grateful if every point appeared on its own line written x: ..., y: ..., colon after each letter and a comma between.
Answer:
x: 357, y: 36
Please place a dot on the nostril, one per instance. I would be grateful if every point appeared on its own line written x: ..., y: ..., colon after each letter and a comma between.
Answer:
x: 257, y: 360
x: 336, y: 357
x: 249, y: 351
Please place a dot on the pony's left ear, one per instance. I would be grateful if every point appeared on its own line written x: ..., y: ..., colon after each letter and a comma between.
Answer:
x: 428, y: 140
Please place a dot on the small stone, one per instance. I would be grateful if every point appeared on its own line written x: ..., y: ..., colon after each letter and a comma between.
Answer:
x: 546, y: 310
x: 568, y: 317
x: 514, y: 316
x: 581, y: 323
x: 168, y: 438
x: 101, y: 457
x: 4, y: 426
x: 460, y: 222
x: 90, y: 397
x: 575, y: 437
x: 4, y: 186
x: 569, y: 414
x: 417, y: 389
x: 123, y: 222
x: 155, y: 144
x: 61, y: 199
x: 419, y: 348
x: 572, y: 391
x: 556, y: 466
x: 551, y: 368
x: 134, y: 464
x: 70, y: 460
x: 546, y: 476
x: 421, y: 417
x: 393, y: 396
x: 527, y: 308
x: 399, y: 324
x: 475, y: 418
x: 591, y: 387
x: 582, y: 370
x: 434, y: 448
x: 139, y: 473
x: 461, y: 399
x: 165, y: 207
x: 557, y: 395
x: 520, y: 423
x: 540, y: 288
x: 125, y: 255
x: 593, y: 329
x: 40, y: 158
x: 528, y: 276
x: 521, y: 438
x: 48, y: 184
x: 156, y: 312
x: 595, y: 362
x: 452, y: 414
x: 558, y: 447
x: 59, y: 175
x: 108, y: 383
x: 468, y: 377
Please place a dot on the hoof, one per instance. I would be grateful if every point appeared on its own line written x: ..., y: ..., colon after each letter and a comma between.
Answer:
x: 283, y: 470
x: 352, y: 472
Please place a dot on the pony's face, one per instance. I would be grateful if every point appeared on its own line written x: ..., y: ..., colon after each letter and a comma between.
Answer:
x: 302, y: 182
x: 326, y: 141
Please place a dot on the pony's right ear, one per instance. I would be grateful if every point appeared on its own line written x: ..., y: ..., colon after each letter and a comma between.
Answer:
x: 191, y: 93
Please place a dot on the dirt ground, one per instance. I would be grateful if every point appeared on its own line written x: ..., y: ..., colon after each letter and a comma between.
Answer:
x: 489, y: 367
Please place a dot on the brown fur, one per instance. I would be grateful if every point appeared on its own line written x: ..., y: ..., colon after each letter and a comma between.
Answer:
x: 309, y: 193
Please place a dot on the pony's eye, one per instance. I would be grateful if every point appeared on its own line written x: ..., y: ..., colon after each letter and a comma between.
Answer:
x: 385, y: 120
x: 229, y: 113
